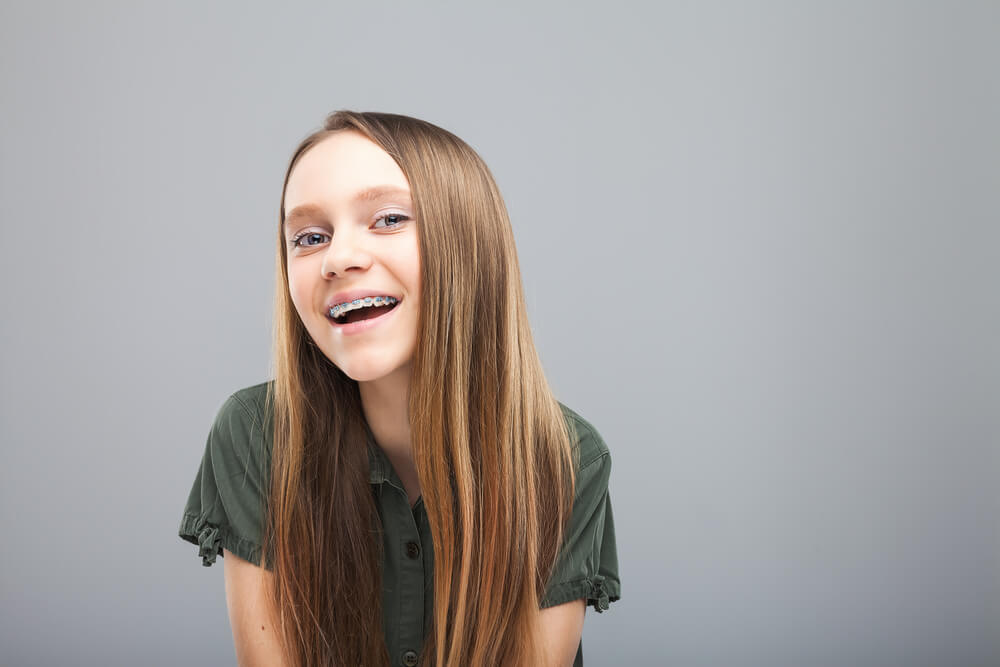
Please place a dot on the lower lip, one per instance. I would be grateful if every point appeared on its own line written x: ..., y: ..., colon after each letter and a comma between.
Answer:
x: 362, y: 325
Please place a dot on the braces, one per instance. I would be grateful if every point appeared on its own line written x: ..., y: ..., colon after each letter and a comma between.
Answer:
x: 340, y: 309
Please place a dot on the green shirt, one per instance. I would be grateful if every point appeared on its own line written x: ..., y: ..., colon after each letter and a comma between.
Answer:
x: 226, y: 503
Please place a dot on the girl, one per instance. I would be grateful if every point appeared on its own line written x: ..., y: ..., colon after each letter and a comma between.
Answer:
x: 406, y: 490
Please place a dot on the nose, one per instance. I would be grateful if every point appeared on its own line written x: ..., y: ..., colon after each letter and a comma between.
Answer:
x: 345, y: 253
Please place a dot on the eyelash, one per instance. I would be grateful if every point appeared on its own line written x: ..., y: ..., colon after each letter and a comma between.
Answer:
x: 294, y: 242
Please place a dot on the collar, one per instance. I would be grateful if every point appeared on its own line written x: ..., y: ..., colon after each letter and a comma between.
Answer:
x: 380, y: 470
x: 377, y: 464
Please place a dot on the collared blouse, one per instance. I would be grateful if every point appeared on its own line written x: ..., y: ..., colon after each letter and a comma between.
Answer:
x: 226, y: 504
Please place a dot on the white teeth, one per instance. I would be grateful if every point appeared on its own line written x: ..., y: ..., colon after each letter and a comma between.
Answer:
x: 342, y: 308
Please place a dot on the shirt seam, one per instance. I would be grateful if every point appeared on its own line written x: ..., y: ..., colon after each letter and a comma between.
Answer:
x: 256, y: 421
x: 252, y: 414
x: 593, y: 433
x: 594, y: 460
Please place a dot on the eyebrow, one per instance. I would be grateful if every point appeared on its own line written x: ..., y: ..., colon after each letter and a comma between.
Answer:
x: 368, y: 194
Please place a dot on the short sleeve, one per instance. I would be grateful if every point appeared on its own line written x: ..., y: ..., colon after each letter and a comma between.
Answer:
x: 587, y: 565
x: 226, y: 503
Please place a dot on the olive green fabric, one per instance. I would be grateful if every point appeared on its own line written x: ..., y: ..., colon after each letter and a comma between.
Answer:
x: 226, y: 505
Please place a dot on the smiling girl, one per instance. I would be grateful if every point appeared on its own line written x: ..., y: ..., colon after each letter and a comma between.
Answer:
x: 406, y: 490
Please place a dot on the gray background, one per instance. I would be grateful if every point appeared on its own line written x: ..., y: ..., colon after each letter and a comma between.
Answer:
x: 759, y: 243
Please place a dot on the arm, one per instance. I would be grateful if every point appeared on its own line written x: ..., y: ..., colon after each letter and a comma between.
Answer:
x: 250, y: 615
x: 561, y: 629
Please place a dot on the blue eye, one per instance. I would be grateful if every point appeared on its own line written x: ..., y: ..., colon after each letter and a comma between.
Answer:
x: 295, y: 240
x: 392, y: 220
x: 396, y: 217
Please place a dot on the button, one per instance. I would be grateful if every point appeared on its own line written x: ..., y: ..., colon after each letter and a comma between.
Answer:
x: 410, y: 657
x: 412, y: 551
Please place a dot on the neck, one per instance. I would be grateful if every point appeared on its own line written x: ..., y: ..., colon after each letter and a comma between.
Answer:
x: 385, y: 405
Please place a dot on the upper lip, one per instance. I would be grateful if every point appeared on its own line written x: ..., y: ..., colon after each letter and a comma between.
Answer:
x: 351, y: 295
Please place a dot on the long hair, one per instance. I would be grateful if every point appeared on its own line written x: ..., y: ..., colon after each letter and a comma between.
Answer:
x: 490, y: 444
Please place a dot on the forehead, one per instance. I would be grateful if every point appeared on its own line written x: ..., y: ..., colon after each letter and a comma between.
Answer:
x: 337, y: 169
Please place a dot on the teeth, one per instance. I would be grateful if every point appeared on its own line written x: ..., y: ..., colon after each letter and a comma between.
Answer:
x: 342, y: 308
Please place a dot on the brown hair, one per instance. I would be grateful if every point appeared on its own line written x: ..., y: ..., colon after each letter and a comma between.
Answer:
x: 490, y: 444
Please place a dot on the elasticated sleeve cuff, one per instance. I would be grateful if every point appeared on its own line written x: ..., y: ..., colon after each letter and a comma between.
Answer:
x: 211, y: 539
x: 598, y: 591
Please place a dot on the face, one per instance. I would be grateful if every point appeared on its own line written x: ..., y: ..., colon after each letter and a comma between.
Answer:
x: 350, y: 227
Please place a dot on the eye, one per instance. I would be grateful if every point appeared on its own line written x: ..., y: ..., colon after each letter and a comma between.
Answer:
x: 392, y: 220
x: 306, y: 235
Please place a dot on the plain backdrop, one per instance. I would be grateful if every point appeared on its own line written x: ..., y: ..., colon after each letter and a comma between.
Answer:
x: 760, y: 248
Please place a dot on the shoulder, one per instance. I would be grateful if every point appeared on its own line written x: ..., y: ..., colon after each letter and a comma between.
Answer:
x: 246, y: 409
x: 242, y: 429
x: 586, y: 439
x: 249, y: 402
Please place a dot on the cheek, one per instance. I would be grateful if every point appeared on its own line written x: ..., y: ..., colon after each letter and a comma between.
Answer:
x: 300, y: 292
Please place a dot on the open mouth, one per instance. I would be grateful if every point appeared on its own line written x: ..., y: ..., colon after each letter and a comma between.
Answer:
x: 364, y: 313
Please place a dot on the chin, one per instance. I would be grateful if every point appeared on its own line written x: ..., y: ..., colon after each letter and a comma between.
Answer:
x: 366, y: 370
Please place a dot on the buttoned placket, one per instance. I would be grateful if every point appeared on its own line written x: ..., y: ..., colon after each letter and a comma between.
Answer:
x: 405, y: 560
